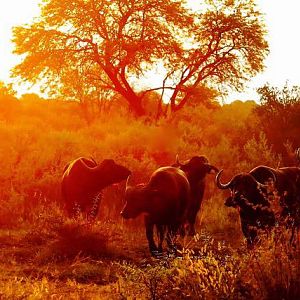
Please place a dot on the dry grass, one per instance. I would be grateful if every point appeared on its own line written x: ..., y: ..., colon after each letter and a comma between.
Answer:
x: 111, y: 260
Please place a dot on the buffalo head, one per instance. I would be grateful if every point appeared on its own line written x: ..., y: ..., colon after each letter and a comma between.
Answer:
x: 196, y: 168
x: 242, y: 186
x: 114, y: 173
x: 135, y: 200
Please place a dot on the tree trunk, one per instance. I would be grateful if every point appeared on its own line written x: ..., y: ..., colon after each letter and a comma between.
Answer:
x: 124, y: 89
x: 135, y: 105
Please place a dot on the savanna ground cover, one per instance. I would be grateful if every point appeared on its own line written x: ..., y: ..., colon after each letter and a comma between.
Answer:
x: 45, y: 255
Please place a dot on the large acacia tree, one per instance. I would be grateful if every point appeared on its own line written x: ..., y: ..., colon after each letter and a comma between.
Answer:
x: 109, y: 42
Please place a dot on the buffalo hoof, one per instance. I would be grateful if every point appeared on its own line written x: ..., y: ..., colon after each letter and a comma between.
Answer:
x: 156, y: 253
x: 192, y: 232
x: 172, y: 251
x: 250, y: 245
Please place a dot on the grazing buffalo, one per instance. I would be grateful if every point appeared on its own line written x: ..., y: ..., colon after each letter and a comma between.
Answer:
x: 164, y: 199
x: 83, y: 181
x: 196, y: 170
x: 250, y: 188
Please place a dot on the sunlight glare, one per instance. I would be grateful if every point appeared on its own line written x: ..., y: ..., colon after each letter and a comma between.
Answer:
x: 13, y: 13
x: 281, y: 65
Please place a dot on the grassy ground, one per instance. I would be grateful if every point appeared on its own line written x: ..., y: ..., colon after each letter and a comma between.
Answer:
x: 52, y: 257
x: 57, y: 258
x: 77, y: 261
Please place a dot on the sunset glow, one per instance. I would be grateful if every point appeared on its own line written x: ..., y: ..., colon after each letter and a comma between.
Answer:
x: 131, y: 168
x: 13, y: 13
x: 282, y: 22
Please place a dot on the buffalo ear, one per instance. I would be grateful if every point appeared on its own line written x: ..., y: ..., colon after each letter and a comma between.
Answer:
x: 177, y: 164
x: 128, y: 182
x: 184, y: 167
x: 213, y: 168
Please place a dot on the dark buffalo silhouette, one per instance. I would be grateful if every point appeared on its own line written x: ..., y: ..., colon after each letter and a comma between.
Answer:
x: 196, y: 170
x: 287, y: 186
x: 164, y: 199
x: 250, y: 197
x: 83, y: 180
x: 252, y: 192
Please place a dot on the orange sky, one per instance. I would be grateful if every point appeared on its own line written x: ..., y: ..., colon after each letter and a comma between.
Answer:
x: 282, y: 19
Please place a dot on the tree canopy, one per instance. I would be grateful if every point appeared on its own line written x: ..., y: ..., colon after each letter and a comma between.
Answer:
x: 279, y: 115
x: 78, y: 47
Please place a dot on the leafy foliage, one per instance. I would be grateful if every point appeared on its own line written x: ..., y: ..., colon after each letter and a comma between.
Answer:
x: 79, y: 48
x: 279, y: 115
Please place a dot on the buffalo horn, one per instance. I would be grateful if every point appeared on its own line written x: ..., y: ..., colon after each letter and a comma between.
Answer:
x: 127, y: 182
x: 298, y: 154
x: 266, y: 185
x: 221, y: 185
x: 274, y: 177
x: 262, y: 185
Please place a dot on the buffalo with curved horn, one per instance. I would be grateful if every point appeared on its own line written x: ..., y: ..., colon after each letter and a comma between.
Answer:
x: 254, y: 186
x: 196, y: 170
x: 287, y: 186
x: 83, y: 181
x: 164, y: 200
x: 250, y: 197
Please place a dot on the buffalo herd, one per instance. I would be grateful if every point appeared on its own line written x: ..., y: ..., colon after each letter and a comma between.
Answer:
x: 172, y: 197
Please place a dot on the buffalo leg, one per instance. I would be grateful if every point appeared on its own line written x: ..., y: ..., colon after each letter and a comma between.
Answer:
x: 95, y: 206
x: 250, y: 233
x: 171, y: 235
x: 192, y: 219
x: 191, y: 227
x: 294, y: 238
x: 170, y: 239
x: 73, y: 209
x: 149, y: 233
x: 161, y: 235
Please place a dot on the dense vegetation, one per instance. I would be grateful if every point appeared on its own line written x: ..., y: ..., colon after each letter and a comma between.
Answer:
x: 44, y: 254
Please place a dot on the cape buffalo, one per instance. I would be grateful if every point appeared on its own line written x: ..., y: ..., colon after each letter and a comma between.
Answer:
x: 250, y: 197
x: 83, y: 181
x: 251, y: 186
x: 287, y: 186
x: 196, y: 170
x: 164, y: 199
